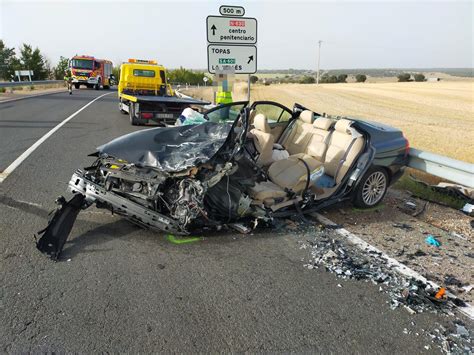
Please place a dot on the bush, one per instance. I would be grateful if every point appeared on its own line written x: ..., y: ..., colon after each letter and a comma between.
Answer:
x: 3, y: 90
x: 361, y: 78
x: 253, y: 79
x: 404, y: 77
x: 17, y: 88
x: 307, y: 80
x: 419, y: 77
x: 32, y: 87
x: 341, y: 78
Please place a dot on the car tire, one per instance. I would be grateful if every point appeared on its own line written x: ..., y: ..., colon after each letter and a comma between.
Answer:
x: 77, y: 86
x: 372, y: 188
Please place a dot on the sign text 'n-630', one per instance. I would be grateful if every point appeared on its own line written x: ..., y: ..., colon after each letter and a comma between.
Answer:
x: 242, y: 59
x: 231, y: 30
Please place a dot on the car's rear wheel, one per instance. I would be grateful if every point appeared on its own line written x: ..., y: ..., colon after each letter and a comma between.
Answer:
x: 372, y: 188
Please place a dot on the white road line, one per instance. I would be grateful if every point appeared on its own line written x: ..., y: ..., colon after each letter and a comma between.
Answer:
x: 398, y: 266
x: 26, y: 154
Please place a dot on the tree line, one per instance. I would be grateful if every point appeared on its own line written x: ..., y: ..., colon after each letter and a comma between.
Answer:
x: 28, y: 58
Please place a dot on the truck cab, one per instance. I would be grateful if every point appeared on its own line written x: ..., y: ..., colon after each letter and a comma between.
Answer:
x: 143, y: 77
x: 90, y: 71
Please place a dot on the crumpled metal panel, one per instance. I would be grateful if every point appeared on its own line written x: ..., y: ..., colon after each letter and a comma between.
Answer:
x: 169, y: 149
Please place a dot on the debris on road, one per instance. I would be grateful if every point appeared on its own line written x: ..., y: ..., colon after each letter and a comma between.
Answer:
x: 331, y: 252
x: 468, y: 209
x: 431, y: 240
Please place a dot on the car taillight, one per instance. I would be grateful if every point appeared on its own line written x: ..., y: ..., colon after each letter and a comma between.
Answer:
x: 146, y: 115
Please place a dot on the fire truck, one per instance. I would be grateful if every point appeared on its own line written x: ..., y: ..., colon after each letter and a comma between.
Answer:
x: 91, y: 72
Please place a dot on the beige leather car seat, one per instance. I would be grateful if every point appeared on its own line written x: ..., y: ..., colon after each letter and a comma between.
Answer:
x: 292, y: 173
x: 345, y: 145
x: 300, y: 133
x: 263, y: 139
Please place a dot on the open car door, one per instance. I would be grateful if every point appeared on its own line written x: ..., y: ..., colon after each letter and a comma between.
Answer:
x: 277, y: 115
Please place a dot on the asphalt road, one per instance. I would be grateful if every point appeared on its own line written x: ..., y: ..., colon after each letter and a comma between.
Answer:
x: 121, y: 288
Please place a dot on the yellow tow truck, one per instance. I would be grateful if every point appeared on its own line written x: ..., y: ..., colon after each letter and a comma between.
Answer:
x: 147, y: 97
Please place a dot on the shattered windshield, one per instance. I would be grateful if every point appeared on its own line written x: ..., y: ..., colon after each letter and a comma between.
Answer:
x: 225, y: 113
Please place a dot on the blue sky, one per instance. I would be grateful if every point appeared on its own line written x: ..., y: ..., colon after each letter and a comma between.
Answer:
x: 355, y: 34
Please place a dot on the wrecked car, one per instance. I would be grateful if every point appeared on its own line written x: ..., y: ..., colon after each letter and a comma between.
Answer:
x: 246, y: 164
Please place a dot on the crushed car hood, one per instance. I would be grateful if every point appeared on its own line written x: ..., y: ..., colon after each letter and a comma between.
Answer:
x: 169, y: 149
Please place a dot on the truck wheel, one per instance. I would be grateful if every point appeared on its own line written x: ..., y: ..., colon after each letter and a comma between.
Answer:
x: 77, y: 86
x: 372, y: 188
x: 133, y: 119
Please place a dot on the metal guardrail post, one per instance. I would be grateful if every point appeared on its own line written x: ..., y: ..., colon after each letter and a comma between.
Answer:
x: 453, y: 170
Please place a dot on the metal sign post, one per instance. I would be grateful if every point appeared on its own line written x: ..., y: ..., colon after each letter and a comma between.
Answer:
x: 232, y: 43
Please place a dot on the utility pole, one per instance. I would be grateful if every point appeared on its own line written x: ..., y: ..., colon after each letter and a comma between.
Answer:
x: 319, y: 59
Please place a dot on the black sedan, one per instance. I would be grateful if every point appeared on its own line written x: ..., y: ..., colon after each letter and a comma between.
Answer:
x: 246, y: 164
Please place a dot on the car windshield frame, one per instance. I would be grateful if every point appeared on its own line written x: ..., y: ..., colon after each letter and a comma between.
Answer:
x: 244, y: 104
x: 78, y: 64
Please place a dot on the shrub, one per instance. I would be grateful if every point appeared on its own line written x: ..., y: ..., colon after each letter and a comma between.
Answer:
x: 361, y: 78
x: 3, y: 90
x: 404, y: 77
x: 307, y: 80
x: 253, y: 79
x: 419, y: 77
x: 341, y: 78
x: 32, y: 87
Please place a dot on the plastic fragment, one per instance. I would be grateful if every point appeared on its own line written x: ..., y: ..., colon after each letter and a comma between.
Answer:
x: 431, y: 240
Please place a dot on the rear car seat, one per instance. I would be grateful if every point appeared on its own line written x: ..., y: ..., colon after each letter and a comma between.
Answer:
x: 300, y: 133
x: 335, y: 150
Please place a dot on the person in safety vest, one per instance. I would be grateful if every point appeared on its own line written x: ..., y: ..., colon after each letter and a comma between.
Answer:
x: 68, y: 80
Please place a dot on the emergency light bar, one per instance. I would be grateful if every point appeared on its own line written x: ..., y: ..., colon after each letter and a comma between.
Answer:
x: 142, y: 61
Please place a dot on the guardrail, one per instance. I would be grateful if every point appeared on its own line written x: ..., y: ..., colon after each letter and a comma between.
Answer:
x: 7, y: 84
x: 450, y: 169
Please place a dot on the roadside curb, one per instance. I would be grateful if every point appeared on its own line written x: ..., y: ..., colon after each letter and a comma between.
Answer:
x: 398, y: 266
x: 31, y: 96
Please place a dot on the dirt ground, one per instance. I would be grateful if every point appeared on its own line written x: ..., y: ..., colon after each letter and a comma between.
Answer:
x: 434, y: 116
x: 393, y: 228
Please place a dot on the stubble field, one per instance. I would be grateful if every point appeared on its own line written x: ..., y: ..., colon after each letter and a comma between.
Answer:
x: 435, y: 116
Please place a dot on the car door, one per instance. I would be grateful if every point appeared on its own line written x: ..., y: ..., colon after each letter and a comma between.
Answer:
x: 277, y: 115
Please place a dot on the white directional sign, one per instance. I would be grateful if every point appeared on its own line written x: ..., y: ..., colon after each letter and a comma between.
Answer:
x: 241, y: 58
x: 231, y: 30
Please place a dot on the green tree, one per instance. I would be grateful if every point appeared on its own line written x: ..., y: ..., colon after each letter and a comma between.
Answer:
x: 361, y: 78
x: 185, y: 76
x: 419, y: 77
x: 404, y: 77
x: 8, y: 62
x: 341, y: 78
x: 58, y: 70
x: 32, y: 59
x: 253, y: 79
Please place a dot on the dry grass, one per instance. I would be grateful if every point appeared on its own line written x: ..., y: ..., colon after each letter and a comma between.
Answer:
x: 435, y: 116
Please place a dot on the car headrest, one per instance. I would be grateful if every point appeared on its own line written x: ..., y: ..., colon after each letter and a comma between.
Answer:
x: 260, y: 123
x: 343, y: 126
x: 307, y: 116
x: 323, y: 123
